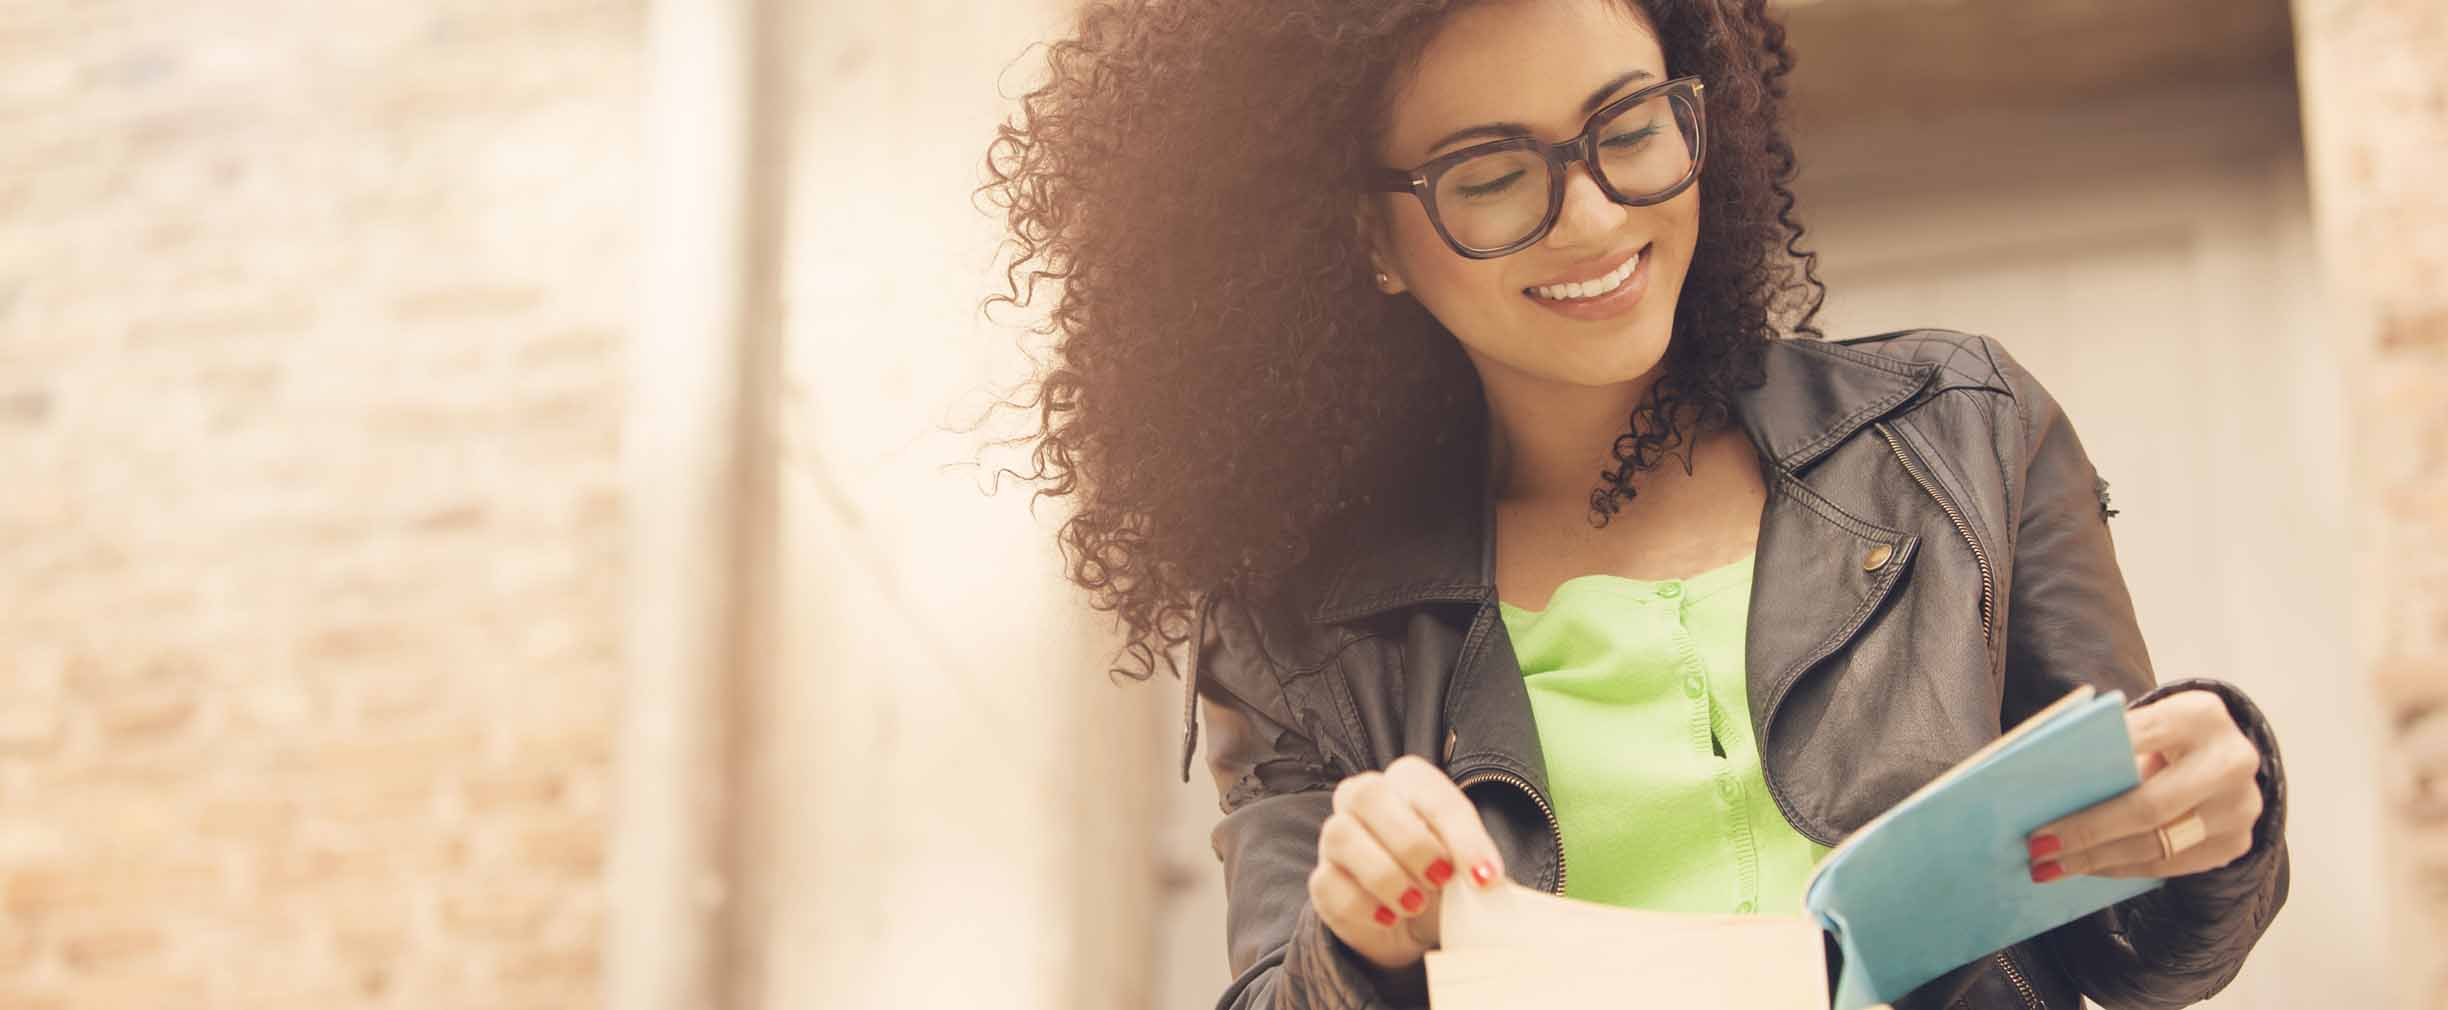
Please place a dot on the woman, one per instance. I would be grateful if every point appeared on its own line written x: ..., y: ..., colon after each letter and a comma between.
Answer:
x: 1356, y: 299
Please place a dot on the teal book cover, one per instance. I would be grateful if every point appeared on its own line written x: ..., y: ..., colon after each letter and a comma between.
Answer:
x: 1942, y: 878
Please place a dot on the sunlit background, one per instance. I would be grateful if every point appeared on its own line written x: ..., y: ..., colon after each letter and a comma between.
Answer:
x: 493, y: 511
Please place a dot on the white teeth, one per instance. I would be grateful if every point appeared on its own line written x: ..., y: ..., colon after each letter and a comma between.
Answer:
x: 1590, y: 289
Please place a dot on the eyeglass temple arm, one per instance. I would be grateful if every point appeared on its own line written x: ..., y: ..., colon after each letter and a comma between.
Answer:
x: 1389, y: 180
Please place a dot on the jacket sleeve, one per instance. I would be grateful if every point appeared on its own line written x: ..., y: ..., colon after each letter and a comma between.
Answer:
x: 1276, y: 788
x: 2070, y: 620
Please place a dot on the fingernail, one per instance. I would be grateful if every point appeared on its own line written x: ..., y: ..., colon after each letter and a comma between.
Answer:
x: 1439, y: 872
x: 1385, y: 916
x: 1412, y: 899
x: 1483, y: 873
x: 2046, y: 872
x: 2044, y: 846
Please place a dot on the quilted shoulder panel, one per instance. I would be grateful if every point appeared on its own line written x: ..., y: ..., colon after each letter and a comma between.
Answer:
x: 1964, y: 359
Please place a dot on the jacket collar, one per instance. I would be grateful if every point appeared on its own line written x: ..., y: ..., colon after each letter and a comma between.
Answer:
x: 1815, y: 393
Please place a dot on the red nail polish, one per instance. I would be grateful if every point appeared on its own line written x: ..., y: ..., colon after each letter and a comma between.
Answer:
x: 1385, y: 916
x: 2046, y: 872
x: 2044, y: 846
x: 1483, y: 873
x: 1439, y: 872
x: 1412, y: 899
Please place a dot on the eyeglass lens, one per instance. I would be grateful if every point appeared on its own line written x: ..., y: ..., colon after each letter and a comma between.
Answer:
x: 1494, y: 200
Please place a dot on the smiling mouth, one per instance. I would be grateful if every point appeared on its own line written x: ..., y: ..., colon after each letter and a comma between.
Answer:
x: 1593, y: 288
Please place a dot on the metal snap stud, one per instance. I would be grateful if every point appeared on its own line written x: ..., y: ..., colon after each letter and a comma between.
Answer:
x: 1878, y: 556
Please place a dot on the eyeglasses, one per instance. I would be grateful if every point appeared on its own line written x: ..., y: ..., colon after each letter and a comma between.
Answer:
x: 1491, y: 199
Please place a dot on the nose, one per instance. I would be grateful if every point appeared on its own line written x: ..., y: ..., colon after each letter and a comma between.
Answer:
x: 1587, y: 212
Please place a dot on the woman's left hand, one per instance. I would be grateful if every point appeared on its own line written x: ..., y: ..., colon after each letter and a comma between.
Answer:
x: 2194, y: 762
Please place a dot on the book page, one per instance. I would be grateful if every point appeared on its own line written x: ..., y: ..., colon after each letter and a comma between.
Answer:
x: 1514, y: 948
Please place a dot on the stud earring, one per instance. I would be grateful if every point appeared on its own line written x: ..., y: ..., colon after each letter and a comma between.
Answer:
x: 1383, y: 280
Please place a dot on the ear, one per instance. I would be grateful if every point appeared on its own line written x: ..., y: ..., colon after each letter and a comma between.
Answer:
x: 1371, y: 227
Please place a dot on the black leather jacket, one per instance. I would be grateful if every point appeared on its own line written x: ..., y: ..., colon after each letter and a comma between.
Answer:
x: 1934, y: 563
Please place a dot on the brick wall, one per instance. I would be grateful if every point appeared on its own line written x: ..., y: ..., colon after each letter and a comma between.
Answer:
x: 311, y: 320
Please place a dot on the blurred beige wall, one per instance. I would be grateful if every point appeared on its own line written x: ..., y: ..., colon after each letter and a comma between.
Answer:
x: 311, y: 321
x: 2376, y: 113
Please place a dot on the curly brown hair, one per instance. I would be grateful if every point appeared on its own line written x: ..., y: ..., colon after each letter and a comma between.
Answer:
x: 1228, y: 384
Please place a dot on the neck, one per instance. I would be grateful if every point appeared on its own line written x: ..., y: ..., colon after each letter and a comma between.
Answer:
x: 1548, y: 446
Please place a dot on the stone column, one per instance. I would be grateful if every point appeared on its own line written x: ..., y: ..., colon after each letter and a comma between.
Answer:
x: 2375, y: 103
x: 700, y: 468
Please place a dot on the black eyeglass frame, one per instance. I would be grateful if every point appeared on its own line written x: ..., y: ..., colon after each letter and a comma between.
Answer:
x: 1421, y: 182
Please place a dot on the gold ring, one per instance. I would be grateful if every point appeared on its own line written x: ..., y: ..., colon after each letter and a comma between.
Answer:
x: 2185, y: 833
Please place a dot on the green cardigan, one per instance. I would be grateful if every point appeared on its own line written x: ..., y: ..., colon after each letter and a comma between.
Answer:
x: 1638, y: 690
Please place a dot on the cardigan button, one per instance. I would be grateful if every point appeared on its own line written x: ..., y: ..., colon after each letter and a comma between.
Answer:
x: 1878, y: 556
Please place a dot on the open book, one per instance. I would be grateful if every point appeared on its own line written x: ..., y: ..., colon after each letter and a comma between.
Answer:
x: 1938, y: 880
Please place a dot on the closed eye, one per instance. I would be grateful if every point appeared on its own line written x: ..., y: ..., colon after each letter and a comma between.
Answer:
x: 1632, y: 138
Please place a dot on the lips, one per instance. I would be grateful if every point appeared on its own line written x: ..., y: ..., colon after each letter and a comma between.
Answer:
x: 1590, y: 270
x: 1584, y: 303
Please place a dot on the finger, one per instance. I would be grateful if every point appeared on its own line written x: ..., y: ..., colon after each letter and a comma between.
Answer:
x: 2130, y: 850
x: 2157, y: 728
x: 2177, y: 724
x: 2227, y: 825
x: 2209, y: 854
x: 2185, y: 784
x: 1346, y: 906
x: 1354, y: 786
x: 2139, y: 854
x: 2149, y: 764
x: 1348, y: 843
x: 1403, y: 833
x: 1454, y: 819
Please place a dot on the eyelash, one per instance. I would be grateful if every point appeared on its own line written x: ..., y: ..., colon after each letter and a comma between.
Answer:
x: 1478, y: 191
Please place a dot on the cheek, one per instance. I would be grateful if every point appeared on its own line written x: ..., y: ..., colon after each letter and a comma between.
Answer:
x: 1435, y: 270
x: 1422, y: 250
x: 1679, y: 232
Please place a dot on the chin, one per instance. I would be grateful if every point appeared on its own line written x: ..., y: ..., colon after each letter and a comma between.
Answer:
x: 1631, y: 360
x: 1623, y: 357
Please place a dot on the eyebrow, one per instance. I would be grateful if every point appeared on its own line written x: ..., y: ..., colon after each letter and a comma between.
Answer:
x: 1589, y: 105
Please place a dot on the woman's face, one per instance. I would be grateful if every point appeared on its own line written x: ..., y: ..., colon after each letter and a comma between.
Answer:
x: 1534, y: 62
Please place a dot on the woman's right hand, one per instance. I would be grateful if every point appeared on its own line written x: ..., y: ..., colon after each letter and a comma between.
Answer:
x: 1404, y: 832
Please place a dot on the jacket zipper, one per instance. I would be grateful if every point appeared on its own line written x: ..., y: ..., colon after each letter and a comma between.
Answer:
x: 1988, y: 592
x: 1555, y: 832
x: 2031, y: 998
